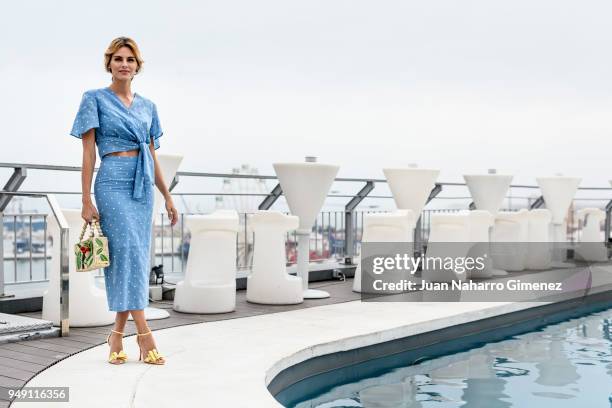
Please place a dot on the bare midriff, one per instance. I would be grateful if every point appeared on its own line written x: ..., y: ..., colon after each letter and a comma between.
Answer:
x: 127, y: 153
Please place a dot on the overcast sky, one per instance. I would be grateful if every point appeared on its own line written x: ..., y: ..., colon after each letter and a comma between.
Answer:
x: 463, y: 86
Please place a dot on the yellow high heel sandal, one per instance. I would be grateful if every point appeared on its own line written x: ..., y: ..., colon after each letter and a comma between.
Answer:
x: 153, y: 356
x: 114, y: 357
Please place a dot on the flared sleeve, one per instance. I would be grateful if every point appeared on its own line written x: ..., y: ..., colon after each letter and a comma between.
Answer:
x: 87, y: 116
x: 155, y: 131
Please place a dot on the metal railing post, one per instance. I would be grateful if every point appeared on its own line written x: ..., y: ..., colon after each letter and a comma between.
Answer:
x: 271, y: 198
x: 174, y: 182
x: 538, y: 203
x: 2, y: 294
x: 608, y: 221
x: 348, y: 221
x: 64, y: 266
x: 418, y: 241
x: 15, y: 181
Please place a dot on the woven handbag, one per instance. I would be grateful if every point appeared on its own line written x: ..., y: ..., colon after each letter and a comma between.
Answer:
x: 91, y: 253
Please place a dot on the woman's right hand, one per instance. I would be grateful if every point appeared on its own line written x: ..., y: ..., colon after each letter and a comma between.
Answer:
x: 89, y: 212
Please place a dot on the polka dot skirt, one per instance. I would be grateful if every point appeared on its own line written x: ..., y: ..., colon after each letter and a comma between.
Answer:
x: 127, y: 225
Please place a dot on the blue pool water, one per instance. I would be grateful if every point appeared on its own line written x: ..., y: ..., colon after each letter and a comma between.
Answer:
x: 562, y: 365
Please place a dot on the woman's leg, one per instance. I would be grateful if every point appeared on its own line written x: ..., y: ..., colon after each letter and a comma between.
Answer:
x: 146, y: 342
x: 116, y: 343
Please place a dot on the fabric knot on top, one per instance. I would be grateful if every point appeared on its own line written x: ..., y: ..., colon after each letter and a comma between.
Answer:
x: 144, y: 171
x: 120, y: 128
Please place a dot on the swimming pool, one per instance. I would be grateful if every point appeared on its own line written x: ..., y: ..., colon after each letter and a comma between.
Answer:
x: 567, y: 364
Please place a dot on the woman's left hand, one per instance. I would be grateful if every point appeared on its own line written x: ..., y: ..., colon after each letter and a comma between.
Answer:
x: 172, y: 211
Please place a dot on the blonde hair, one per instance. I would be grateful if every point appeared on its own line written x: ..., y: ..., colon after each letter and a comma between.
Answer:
x: 115, y: 45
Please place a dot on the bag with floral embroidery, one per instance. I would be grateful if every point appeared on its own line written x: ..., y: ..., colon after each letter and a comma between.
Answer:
x: 91, y: 253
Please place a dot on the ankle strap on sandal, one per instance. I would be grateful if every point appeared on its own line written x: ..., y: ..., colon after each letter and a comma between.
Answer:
x: 115, y: 331
x: 144, y: 334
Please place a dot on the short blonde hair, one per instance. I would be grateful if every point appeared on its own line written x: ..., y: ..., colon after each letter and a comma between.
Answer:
x: 115, y: 45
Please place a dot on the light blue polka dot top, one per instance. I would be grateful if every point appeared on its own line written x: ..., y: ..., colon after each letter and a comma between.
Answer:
x: 120, y: 128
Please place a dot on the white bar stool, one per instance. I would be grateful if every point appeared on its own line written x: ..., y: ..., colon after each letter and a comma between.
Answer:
x: 509, y: 237
x: 481, y: 222
x: 396, y: 226
x: 210, y: 276
x: 539, y: 251
x: 269, y: 283
x: 591, y: 246
x: 449, y: 236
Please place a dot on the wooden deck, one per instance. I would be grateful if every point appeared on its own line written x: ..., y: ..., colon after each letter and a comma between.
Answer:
x: 21, y: 361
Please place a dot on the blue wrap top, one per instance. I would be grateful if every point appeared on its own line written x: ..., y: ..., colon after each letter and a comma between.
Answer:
x: 120, y: 128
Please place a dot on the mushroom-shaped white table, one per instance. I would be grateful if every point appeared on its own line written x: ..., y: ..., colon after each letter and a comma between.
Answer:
x: 488, y: 192
x: 397, y: 226
x: 411, y: 187
x: 269, y: 283
x: 305, y: 186
x: 558, y: 193
x: 539, y: 250
x: 210, y: 276
x: 591, y: 247
x: 88, y: 305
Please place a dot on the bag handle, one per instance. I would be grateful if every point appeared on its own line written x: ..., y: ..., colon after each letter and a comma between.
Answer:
x: 95, y: 230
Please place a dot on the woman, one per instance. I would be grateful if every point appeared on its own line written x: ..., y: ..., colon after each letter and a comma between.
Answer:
x: 126, y: 129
